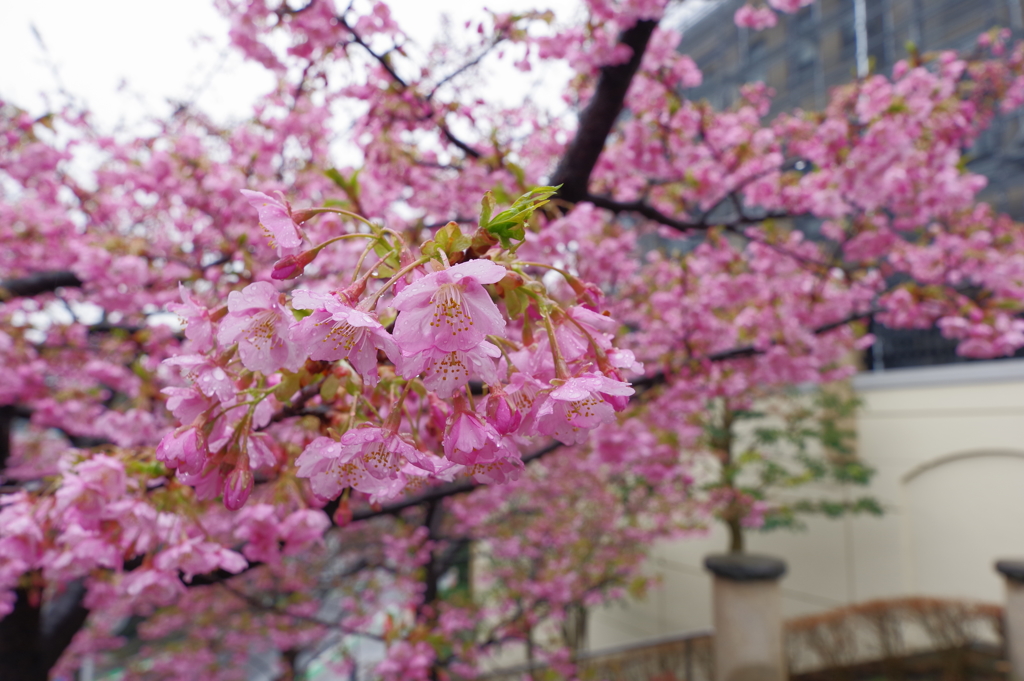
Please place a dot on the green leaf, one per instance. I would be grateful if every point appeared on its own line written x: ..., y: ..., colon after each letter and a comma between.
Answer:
x: 287, y: 387
x: 391, y: 262
x: 336, y: 177
x: 350, y: 185
x: 451, y: 238
x: 516, y: 303
x: 509, y: 224
x: 329, y: 388
x: 487, y: 206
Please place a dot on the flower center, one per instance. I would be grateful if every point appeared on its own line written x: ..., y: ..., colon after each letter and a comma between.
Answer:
x: 343, y: 334
x: 450, y: 309
x: 262, y: 331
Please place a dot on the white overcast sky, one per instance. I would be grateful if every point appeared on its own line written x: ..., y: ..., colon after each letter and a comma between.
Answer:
x: 124, y: 59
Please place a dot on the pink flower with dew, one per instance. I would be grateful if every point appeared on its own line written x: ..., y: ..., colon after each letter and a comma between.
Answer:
x: 504, y: 467
x: 207, y: 484
x: 522, y: 391
x: 336, y: 331
x: 259, y: 450
x: 257, y: 526
x: 258, y: 322
x: 292, y: 266
x: 449, y: 310
x: 301, y: 529
x: 469, y: 439
x: 570, y: 411
x: 152, y: 587
x: 444, y: 371
x: 572, y: 334
x: 361, y: 458
x: 195, y: 557
x: 499, y: 471
x: 198, y: 327
x: 535, y: 360
x: 409, y: 477
x: 182, y: 451
x: 186, y: 403
x: 237, y: 488
x: 210, y: 379
x: 92, y: 485
x: 503, y: 416
x: 276, y: 219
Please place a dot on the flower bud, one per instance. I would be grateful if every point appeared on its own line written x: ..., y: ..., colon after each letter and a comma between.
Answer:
x: 501, y: 415
x: 291, y: 266
x: 237, y: 488
x: 343, y: 515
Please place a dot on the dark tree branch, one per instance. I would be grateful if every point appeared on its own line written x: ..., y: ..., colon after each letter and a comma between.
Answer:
x: 47, y: 282
x: 432, y: 570
x: 19, y: 641
x: 62, y: 617
x: 381, y: 59
x: 750, y: 351
x: 651, y: 213
x: 450, y: 136
x: 433, y: 494
x: 596, y: 121
x: 386, y: 65
x: 644, y: 209
x: 7, y: 415
x: 33, y: 636
x: 40, y: 282
x: 465, y: 67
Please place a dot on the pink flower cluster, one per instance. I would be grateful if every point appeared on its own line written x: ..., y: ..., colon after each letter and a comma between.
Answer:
x: 447, y: 327
x: 342, y: 359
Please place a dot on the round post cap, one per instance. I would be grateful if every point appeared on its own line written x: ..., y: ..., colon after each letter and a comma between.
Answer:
x: 744, y: 567
x: 1011, y: 569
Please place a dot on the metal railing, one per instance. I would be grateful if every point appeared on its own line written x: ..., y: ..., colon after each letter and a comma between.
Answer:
x: 686, y: 657
x: 915, y: 637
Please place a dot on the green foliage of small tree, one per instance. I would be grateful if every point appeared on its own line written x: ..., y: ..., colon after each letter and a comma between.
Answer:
x: 784, y: 456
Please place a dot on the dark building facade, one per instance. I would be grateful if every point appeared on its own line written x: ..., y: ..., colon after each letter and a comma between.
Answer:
x: 832, y: 42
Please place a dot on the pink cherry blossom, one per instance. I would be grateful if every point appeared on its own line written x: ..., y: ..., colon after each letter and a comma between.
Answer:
x: 755, y: 18
x: 548, y: 310
x: 198, y: 327
x: 790, y: 6
x: 359, y: 460
x: 501, y: 414
x: 449, y: 310
x: 337, y: 331
x: 182, y: 451
x: 276, y: 219
x: 570, y: 411
x: 470, y: 440
x: 208, y: 377
x: 259, y: 324
x: 446, y: 371
x: 237, y: 488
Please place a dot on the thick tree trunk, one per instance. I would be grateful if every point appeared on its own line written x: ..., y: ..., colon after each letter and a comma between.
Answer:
x: 735, y: 535
x: 21, y: 658
x: 596, y: 121
x: 33, y: 637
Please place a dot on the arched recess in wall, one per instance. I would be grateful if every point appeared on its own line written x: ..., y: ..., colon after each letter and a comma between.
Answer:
x: 962, y: 512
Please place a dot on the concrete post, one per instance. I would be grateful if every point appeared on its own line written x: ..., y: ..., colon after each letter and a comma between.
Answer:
x: 748, y: 617
x: 1013, y: 615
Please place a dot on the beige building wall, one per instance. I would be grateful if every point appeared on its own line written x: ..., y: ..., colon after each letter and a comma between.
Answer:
x: 948, y: 446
